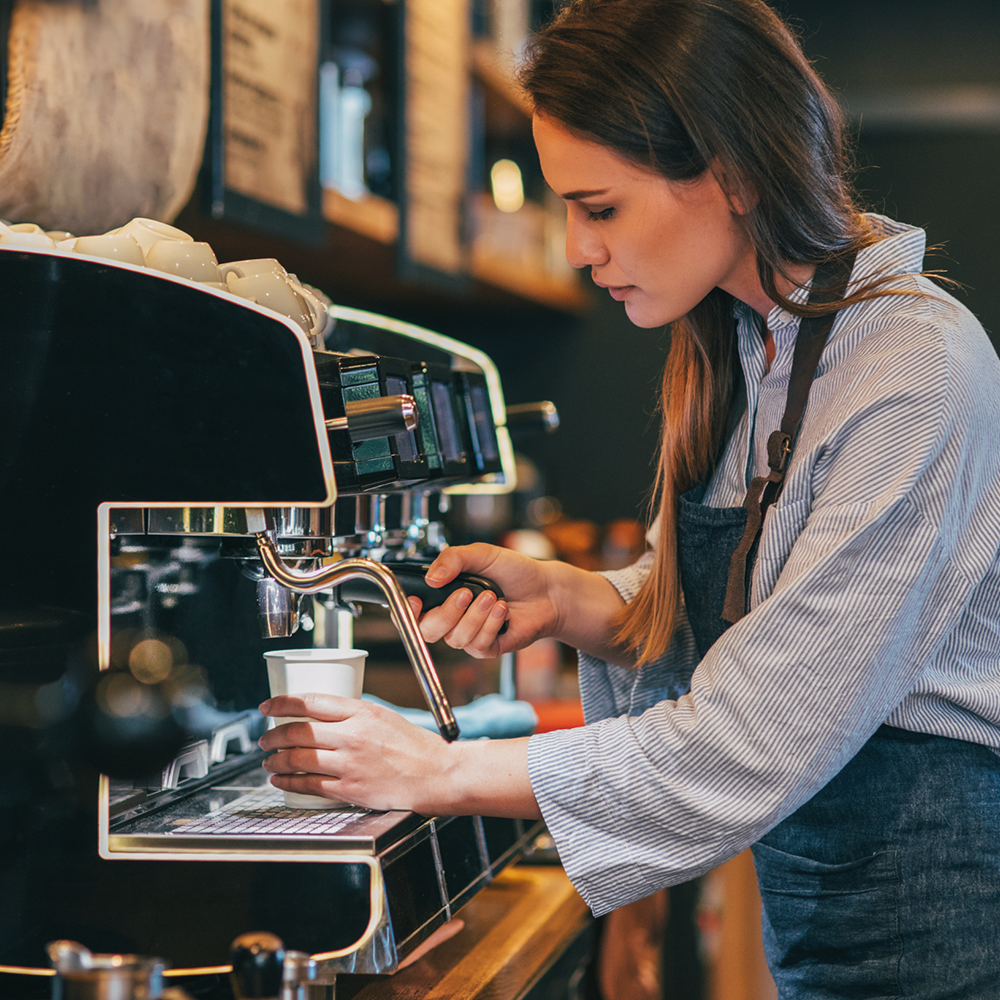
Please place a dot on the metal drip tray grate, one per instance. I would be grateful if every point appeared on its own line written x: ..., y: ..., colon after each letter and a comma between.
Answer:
x: 246, y: 813
x: 263, y: 813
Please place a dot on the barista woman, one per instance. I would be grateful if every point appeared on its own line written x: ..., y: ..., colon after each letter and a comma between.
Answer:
x: 827, y: 688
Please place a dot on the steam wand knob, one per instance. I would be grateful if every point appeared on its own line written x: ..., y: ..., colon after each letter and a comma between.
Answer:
x: 383, y: 416
x: 264, y: 970
x: 258, y: 966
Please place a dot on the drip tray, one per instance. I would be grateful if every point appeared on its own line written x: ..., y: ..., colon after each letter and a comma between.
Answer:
x: 246, y: 813
x: 264, y: 813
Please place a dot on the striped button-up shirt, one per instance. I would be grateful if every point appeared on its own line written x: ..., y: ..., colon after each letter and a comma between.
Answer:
x: 875, y: 599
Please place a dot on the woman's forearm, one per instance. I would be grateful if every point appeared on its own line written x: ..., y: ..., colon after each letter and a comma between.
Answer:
x: 489, y: 778
x: 586, y: 605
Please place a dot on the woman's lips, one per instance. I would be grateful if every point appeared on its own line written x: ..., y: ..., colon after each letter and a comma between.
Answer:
x: 617, y: 292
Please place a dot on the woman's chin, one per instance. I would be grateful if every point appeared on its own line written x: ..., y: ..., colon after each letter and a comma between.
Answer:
x: 640, y: 314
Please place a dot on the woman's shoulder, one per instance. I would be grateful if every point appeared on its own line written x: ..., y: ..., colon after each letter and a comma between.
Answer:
x: 919, y: 334
x: 918, y: 319
x: 916, y: 361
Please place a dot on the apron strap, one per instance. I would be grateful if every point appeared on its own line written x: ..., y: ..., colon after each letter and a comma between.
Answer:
x: 765, y: 490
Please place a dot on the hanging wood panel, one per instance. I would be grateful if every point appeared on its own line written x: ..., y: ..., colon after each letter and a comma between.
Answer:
x: 106, y: 111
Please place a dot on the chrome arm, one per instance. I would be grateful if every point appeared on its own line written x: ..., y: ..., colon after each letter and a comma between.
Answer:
x: 379, y: 417
x: 313, y: 581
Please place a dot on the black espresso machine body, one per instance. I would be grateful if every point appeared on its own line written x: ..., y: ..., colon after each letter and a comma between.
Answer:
x: 143, y: 416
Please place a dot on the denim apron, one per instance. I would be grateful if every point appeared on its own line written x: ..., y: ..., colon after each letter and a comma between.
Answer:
x: 886, y: 883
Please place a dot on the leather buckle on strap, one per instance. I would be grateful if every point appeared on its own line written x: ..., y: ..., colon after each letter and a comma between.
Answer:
x: 779, y: 447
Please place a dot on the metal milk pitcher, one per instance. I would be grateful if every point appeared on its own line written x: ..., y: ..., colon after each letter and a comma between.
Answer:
x: 82, y: 975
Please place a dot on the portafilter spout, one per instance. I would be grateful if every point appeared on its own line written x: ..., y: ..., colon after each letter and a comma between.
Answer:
x: 277, y: 609
x: 326, y: 577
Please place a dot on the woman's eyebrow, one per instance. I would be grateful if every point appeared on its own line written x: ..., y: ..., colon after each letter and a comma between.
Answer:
x: 577, y: 195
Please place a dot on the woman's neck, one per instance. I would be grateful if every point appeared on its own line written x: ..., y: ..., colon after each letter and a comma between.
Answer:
x: 746, y: 286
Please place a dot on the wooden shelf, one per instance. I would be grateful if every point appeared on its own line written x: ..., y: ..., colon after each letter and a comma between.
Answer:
x: 371, y: 216
x: 514, y: 932
x: 508, y: 112
x: 358, y: 260
x: 536, y: 286
x: 355, y: 268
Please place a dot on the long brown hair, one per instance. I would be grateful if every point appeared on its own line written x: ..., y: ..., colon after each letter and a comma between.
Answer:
x: 680, y: 87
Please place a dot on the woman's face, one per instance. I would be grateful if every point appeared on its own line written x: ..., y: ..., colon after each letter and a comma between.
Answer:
x: 657, y: 245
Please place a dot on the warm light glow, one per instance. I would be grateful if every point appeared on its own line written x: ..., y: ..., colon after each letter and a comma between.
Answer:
x: 201, y: 970
x: 119, y: 696
x: 508, y: 191
x: 151, y: 661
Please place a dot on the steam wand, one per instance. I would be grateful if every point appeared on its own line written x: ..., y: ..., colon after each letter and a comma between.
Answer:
x: 313, y: 581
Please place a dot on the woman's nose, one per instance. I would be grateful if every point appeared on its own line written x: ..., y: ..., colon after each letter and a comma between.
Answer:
x: 583, y: 246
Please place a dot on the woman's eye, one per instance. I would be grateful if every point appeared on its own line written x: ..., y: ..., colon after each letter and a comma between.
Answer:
x: 600, y: 216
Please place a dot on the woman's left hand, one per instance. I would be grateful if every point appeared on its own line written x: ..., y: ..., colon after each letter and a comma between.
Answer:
x: 369, y: 755
x: 357, y: 752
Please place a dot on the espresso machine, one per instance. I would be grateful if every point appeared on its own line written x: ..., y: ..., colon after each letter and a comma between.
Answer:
x: 189, y: 480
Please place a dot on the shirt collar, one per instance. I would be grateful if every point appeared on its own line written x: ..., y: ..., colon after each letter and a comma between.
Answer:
x: 901, y: 251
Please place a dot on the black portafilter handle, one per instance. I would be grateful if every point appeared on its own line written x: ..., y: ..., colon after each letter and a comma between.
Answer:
x: 410, y: 574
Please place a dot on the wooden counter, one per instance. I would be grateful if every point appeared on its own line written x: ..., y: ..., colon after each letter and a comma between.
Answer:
x: 515, y: 931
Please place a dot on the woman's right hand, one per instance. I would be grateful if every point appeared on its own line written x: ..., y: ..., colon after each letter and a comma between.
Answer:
x: 528, y: 602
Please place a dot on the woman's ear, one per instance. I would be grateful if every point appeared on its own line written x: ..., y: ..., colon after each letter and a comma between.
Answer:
x: 743, y: 199
x: 741, y: 195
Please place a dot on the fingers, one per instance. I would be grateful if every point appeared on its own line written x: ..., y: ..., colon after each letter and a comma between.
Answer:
x: 303, y: 710
x: 465, y: 623
x: 477, y: 630
x: 445, y: 567
x: 301, y: 764
x: 457, y: 559
x: 300, y: 733
x: 438, y: 622
x: 322, y: 707
x: 373, y: 758
x: 311, y: 784
x: 299, y: 759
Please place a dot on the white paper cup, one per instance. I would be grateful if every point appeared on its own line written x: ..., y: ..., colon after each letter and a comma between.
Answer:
x: 304, y: 671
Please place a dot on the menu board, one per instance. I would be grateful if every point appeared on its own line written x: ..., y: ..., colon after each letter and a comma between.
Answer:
x: 437, y: 132
x: 270, y: 55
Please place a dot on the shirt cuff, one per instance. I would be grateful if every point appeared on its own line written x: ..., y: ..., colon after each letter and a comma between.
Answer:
x: 607, y: 861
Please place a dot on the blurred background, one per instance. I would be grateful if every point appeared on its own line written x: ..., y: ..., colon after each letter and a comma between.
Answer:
x: 381, y: 150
